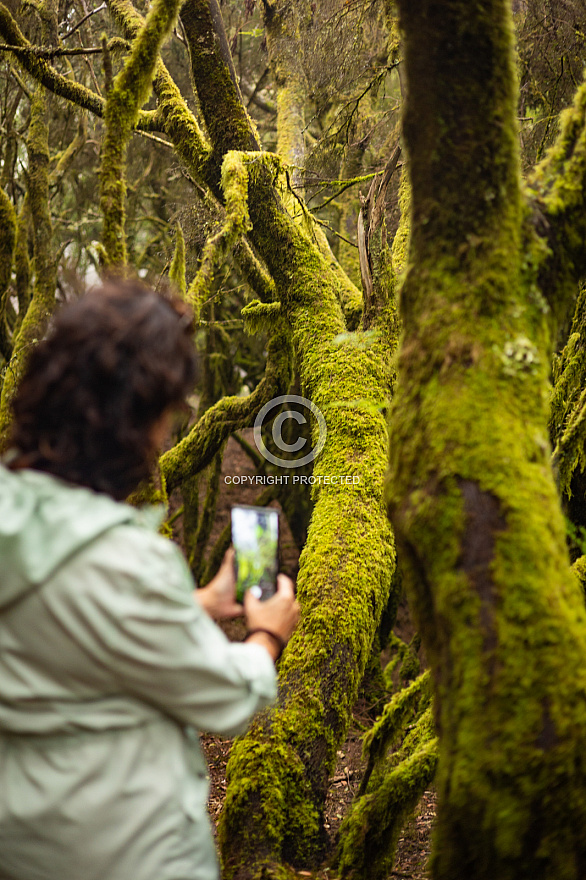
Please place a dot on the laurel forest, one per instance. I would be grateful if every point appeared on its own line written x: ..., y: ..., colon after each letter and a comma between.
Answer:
x: 380, y: 207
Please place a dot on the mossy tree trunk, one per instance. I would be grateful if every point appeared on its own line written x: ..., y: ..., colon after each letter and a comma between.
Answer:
x: 278, y: 773
x: 470, y: 487
x: 42, y: 302
x: 284, y: 24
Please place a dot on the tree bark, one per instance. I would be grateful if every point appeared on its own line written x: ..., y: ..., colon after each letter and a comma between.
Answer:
x: 278, y: 773
x: 470, y: 488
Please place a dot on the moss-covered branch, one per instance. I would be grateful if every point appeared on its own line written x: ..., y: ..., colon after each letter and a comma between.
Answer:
x: 178, y: 121
x: 66, y: 159
x: 7, y: 243
x: 22, y: 265
x: 370, y: 832
x: 45, y: 266
x: 228, y: 125
x: 177, y: 268
x: 130, y: 90
x: 284, y: 24
x: 43, y: 71
x: 197, y: 450
x: 567, y: 429
x: 403, y: 707
x: 559, y: 208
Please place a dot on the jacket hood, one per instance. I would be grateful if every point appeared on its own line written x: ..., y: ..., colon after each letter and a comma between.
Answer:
x: 44, y: 521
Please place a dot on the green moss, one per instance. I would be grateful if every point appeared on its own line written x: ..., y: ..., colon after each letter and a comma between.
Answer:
x: 22, y: 265
x: 177, y: 270
x: 370, y: 832
x: 282, y: 809
x: 260, y: 317
x: 229, y: 414
x: 567, y: 403
x: 349, y: 296
x: 410, y: 667
x: 42, y: 304
x: 44, y: 72
x: 7, y: 245
x: 128, y: 93
x: 471, y: 492
x: 557, y: 194
x: 400, y: 246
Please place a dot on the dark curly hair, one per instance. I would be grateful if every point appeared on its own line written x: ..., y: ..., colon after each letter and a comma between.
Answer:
x: 112, y: 363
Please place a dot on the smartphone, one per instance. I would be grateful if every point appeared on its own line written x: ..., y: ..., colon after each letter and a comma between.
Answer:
x: 255, y: 537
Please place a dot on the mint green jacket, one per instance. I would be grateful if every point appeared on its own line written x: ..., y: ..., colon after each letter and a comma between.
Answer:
x: 107, y: 667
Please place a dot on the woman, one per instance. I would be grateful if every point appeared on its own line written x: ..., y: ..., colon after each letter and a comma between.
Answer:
x: 108, y: 659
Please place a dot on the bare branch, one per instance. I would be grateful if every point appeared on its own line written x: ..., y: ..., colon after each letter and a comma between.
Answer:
x: 82, y: 20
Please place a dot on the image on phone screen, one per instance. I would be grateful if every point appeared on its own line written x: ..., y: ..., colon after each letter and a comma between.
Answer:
x: 255, y: 537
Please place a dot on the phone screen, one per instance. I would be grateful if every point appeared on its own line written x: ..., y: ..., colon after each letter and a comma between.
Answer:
x: 255, y: 536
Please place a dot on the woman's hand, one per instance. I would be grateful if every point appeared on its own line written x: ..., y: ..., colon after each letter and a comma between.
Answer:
x: 218, y: 598
x: 278, y: 615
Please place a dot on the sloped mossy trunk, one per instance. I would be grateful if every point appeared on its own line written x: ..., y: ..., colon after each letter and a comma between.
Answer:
x: 470, y: 488
x: 278, y: 773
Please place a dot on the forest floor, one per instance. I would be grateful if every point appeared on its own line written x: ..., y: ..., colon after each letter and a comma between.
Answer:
x: 414, y: 844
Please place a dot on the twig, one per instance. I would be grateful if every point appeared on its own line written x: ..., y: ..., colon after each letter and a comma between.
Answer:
x: 21, y: 83
x: 331, y: 228
x: 81, y: 21
x: 153, y: 137
x: 42, y: 52
x: 345, y: 777
x: 340, y: 191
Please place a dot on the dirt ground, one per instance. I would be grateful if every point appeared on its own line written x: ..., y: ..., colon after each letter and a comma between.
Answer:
x: 414, y: 844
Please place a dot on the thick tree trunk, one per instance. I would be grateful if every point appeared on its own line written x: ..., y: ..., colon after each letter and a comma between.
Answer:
x: 470, y: 489
x: 278, y: 773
